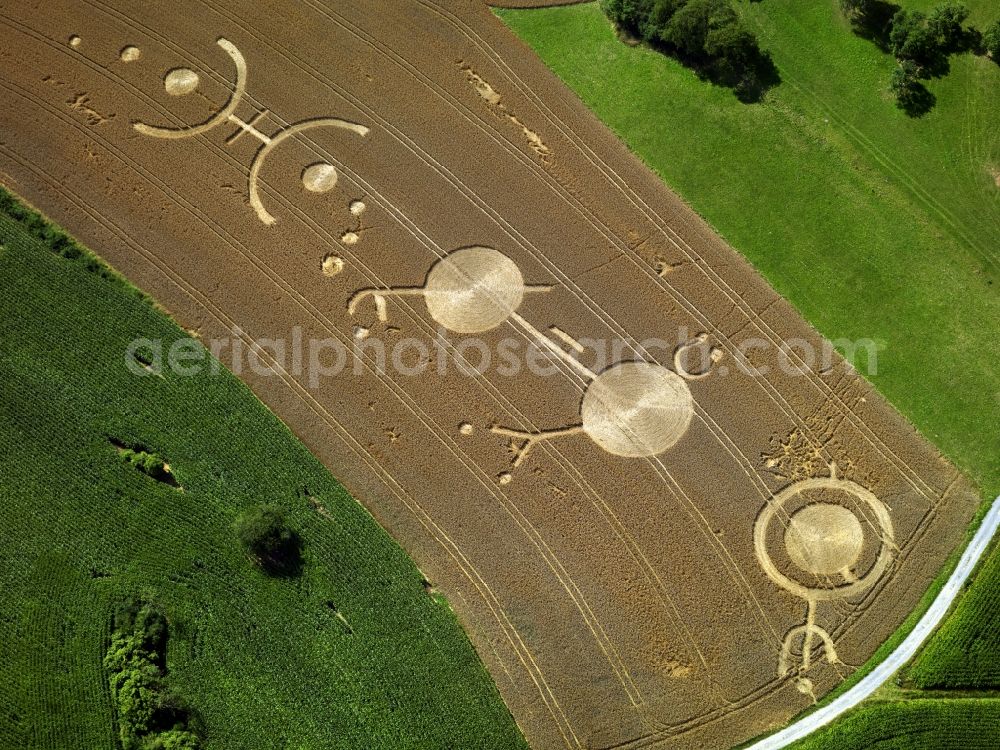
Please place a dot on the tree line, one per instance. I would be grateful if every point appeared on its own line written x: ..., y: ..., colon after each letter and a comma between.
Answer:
x: 706, y: 35
x: 921, y: 43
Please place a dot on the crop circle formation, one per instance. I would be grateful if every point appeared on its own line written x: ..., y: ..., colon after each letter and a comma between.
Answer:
x: 824, y: 538
x: 637, y: 409
x: 474, y: 289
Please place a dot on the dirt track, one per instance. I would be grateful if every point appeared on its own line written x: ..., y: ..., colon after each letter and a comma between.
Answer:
x: 617, y: 601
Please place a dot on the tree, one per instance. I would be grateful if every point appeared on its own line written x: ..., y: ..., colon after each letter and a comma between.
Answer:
x: 628, y: 15
x: 903, y: 78
x: 991, y: 39
x: 945, y: 23
x: 655, y: 25
x: 689, y: 28
x: 911, y: 95
x: 265, y: 534
x: 733, y: 45
x: 911, y: 38
x: 738, y: 62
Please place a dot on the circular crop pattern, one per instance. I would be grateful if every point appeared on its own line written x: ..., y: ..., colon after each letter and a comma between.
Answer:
x: 319, y: 178
x: 180, y: 81
x: 474, y: 289
x: 637, y: 409
x: 824, y: 538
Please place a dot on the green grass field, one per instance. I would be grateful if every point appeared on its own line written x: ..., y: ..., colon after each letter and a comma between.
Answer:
x: 873, y: 224
x: 965, y: 653
x: 913, y: 725
x: 266, y: 662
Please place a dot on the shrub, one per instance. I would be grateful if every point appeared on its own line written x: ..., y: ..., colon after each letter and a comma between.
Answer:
x: 149, y: 464
x: 134, y: 681
x: 991, y: 40
x: 264, y: 533
x: 144, y: 621
x: 174, y: 739
x: 148, y: 716
x: 855, y: 9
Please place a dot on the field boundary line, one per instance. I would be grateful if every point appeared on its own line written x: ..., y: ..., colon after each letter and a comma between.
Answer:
x: 547, y: 554
x: 685, y: 248
x: 304, y: 396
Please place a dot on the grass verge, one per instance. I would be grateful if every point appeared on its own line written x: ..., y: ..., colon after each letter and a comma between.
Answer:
x: 873, y: 224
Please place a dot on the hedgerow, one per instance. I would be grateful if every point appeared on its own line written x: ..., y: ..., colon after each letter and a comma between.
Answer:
x: 706, y: 35
x: 148, y: 715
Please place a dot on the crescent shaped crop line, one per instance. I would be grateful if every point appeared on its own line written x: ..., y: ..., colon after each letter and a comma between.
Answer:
x: 380, y: 296
x: 267, y: 148
x: 715, y: 354
x: 222, y: 116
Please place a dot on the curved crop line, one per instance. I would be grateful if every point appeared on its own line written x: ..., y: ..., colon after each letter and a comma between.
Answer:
x: 222, y: 116
x: 906, y: 650
x: 267, y: 148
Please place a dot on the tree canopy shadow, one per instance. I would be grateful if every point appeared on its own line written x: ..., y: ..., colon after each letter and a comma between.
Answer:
x: 285, y: 561
x: 919, y: 101
x: 875, y: 23
x: 750, y: 81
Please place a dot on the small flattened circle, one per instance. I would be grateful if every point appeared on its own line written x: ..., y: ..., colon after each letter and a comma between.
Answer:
x: 180, y: 81
x: 319, y: 178
x: 332, y: 264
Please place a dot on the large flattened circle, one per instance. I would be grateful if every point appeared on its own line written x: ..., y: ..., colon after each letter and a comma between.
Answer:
x: 775, y: 507
x: 474, y: 289
x: 637, y: 409
x: 824, y: 538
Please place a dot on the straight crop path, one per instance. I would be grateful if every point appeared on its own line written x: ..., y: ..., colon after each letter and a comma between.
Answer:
x: 904, y: 653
